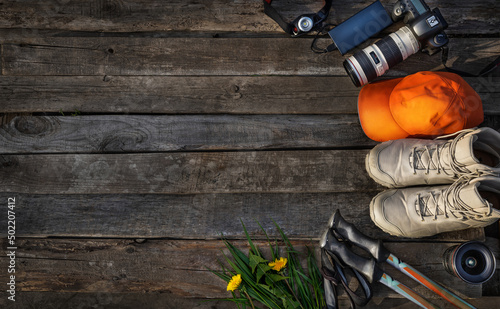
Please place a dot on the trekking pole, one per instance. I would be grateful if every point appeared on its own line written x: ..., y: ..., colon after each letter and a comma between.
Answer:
x: 369, y: 269
x: 381, y: 254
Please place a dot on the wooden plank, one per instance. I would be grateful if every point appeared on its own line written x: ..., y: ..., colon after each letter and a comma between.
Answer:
x: 402, y: 303
x: 211, y: 56
x: 1, y: 60
x: 87, y: 134
x: 198, y: 95
x: 213, y: 16
x: 172, y: 266
x: 110, y: 301
x: 200, y: 216
x: 212, y: 172
x: 488, y: 88
x: 168, y: 300
x: 180, y: 94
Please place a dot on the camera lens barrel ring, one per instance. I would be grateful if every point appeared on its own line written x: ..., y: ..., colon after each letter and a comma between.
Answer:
x: 390, y: 50
x: 365, y: 63
x: 472, y: 262
x: 374, y: 60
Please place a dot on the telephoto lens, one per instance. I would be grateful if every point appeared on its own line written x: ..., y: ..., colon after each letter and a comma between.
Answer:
x: 472, y: 262
x: 374, y: 60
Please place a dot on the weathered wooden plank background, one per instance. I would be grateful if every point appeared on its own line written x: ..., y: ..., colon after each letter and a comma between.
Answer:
x: 162, y: 265
x: 213, y: 56
x: 194, y: 216
x: 212, y: 16
x: 135, y: 133
x: 197, y: 94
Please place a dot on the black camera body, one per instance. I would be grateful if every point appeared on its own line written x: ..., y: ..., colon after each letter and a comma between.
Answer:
x: 427, y: 26
x: 423, y: 30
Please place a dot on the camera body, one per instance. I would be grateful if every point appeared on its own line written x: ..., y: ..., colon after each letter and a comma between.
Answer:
x: 423, y: 30
x: 427, y: 26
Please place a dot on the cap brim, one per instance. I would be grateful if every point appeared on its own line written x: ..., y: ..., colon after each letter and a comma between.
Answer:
x: 375, y: 114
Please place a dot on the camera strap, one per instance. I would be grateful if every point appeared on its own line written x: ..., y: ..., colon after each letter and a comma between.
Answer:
x: 488, y: 69
x: 289, y: 27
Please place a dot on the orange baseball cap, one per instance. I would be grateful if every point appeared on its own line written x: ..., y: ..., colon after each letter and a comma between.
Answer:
x: 421, y: 105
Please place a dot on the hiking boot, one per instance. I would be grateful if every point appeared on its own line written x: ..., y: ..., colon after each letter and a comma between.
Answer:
x: 410, y: 162
x: 426, y: 211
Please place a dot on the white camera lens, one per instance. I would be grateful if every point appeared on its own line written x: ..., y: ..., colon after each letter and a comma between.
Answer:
x: 305, y: 24
x: 374, y: 60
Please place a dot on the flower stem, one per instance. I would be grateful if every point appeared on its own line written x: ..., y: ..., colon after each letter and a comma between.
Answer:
x: 293, y: 293
x: 248, y: 296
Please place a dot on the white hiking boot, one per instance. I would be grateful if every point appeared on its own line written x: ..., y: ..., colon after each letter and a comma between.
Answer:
x: 410, y: 162
x: 426, y: 211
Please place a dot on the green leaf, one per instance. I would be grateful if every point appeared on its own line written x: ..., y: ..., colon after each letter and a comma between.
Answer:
x: 276, y: 277
x: 265, y: 287
x: 290, y: 303
x: 262, y: 270
x: 255, y: 260
x: 280, y: 293
x: 252, y: 246
x: 274, y: 252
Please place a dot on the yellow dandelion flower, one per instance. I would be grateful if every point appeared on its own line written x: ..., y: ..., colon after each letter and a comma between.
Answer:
x: 234, y: 283
x: 278, y: 264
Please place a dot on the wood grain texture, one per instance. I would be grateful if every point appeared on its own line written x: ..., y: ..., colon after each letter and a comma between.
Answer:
x: 173, y: 266
x: 216, y: 56
x: 172, y: 301
x: 87, y: 134
x: 210, y: 172
x: 199, y: 216
x: 124, y: 211
x: 180, y: 94
x: 213, y: 16
x: 198, y: 95
x: 82, y: 300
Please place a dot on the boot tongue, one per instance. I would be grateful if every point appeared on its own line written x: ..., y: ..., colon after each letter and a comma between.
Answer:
x: 464, y: 150
x: 470, y: 196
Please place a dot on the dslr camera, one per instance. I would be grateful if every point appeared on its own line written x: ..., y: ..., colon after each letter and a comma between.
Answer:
x: 423, y: 30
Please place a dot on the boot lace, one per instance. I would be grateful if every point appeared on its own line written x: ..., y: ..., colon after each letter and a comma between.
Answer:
x: 429, y: 158
x: 437, y: 203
